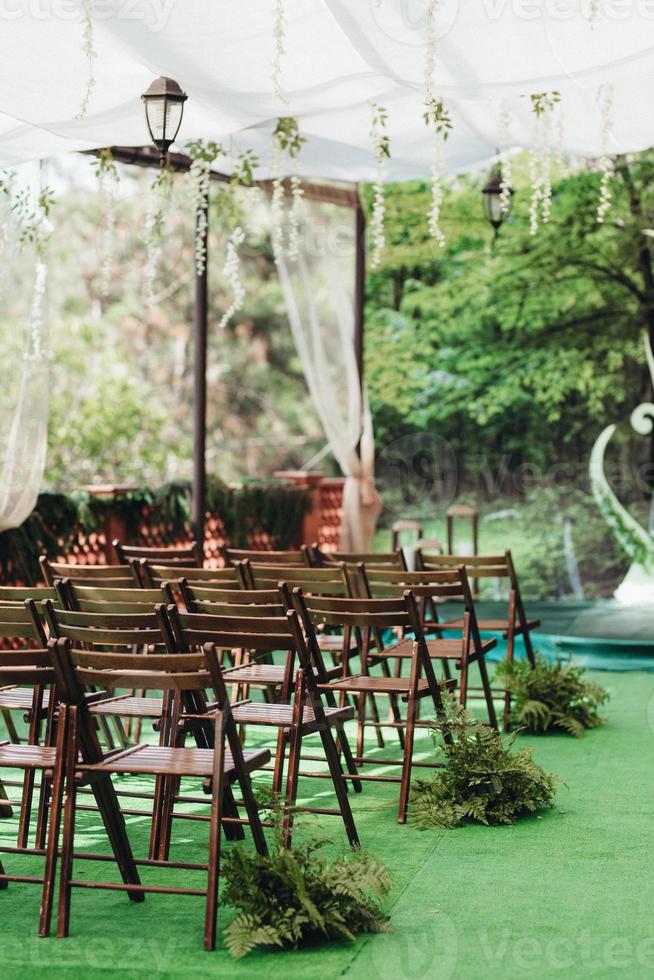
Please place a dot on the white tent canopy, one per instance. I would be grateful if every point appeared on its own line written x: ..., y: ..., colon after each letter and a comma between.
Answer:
x: 339, y: 56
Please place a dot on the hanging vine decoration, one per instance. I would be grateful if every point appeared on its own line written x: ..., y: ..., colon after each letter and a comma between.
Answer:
x: 505, y: 141
x: 593, y: 11
x: 108, y: 180
x: 242, y: 176
x: 430, y: 53
x: 203, y: 154
x: 33, y: 228
x: 286, y: 147
x: 436, y: 115
x: 231, y: 271
x: 88, y: 47
x: 158, y: 204
x: 540, y: 163
x: 382, y: 148
x: 607, y: 164
x: 279, y: 38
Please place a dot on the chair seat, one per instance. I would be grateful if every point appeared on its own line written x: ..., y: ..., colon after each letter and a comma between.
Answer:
x: 263, y: 674
x: 161, y: 761
x: 26, y: 756
x: 20, y: 698
x: 281, y: 715
x: 490, y: 625
x: 438, y: 649
x: 368, y: 684
x: 128, y: 706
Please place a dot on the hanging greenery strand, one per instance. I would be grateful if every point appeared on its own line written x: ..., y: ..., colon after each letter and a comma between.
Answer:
x: 505, y: 142
x: 286, y: 146
x: 158, y: 199
x: 607, y: 164
x: 88, y: 46
x: 231, y: 271
x: 108, y: 180
x: 202, y: 156
x: 279, y: 37
x: 381, y: 145
x: 540, y: 162
x: 436, y: 115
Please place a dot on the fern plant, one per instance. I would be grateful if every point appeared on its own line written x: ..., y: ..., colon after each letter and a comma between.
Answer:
x: 295, y: 895
x: 481, y: 779
x: 552, y: 696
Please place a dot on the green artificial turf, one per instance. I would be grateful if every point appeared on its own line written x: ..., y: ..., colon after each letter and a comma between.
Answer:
x: 567, y: 894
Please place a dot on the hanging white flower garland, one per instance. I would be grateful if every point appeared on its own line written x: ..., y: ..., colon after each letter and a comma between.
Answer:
x: 108, y: 180
x: 158, y: 201
x: 279, y: 38
x: 436, y: 115
x: 231, y: 271
x: 506, y: 142
x: 381, y: 145
x: 593, y: 11
x: 540, y: 161
x: 606, y: 160
x: 285, y: 148
x: 42, y: 231
x: 202, y: 156
x: 88, y: 47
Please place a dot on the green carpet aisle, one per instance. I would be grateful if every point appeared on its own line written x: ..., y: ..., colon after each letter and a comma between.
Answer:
x: 569, y: 894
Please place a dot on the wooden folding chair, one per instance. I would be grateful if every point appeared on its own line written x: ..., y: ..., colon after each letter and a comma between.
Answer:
x: 31, y: 670
x: 293, y: 718
x: 330, y: 580
x: 85, y: 761
x: 24, y: 626
x: 370, y: 615
x: 152, y: 575
x: 114, y: 576
x: 299, y: 558
x: 371, y: 559
x: 430, y: 588
x: 516, y: 622
x: 185, y: 556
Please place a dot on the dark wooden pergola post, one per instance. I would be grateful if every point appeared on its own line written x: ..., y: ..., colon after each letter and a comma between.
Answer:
x: 359, y: 287
x: 200, y: 322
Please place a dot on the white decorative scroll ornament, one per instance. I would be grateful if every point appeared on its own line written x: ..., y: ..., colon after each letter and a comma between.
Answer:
x: 635, y: 541
x: 24, y: 398
x: 319, y: 292
x: 605, y: 96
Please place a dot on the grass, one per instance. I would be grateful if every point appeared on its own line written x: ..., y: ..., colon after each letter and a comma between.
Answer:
x: 568, y: 893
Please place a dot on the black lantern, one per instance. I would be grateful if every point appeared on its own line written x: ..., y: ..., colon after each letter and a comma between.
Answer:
x: 164, y: 107
x: 495, y: 207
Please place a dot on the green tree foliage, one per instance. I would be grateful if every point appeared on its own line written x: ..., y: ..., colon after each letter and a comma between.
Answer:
x: 481, y: 780
x: 552, y: 696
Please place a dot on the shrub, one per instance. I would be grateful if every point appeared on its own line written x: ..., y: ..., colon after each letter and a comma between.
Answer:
x: 482, y: 780
x: 552, y: 696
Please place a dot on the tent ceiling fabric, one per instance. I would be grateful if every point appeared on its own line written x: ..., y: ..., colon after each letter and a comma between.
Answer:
x: 340, y: 55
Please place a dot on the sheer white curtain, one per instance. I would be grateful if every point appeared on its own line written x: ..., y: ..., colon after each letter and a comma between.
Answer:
x: 318, y: 288
x: 23, y: 382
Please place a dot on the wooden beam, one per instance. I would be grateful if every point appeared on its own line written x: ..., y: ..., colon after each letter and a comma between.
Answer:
x: 342, y: 195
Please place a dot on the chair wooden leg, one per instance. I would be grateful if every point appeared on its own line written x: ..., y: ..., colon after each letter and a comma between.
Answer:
x: 3, y: 884
x: 11, y: 728
x: 114, y: 823
x: 506, y: 710
x: 361, y: 714
x: 278, y: 773
x: 213, y: 873
x: 343, y: 745
x: 66, y: 752
x: 485, y: 683
x: 409, y: 736
x: 340, y: 787
x: 294, y: 752
x: 6, y: 811
x: 68, y: 843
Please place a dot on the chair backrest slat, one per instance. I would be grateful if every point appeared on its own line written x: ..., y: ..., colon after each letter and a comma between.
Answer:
x: 299, y: 558
x: 188, y: 555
